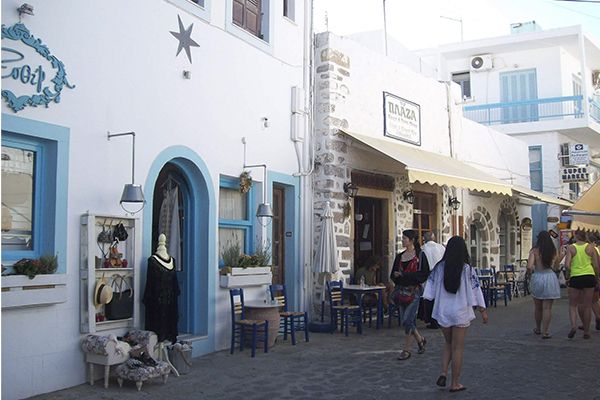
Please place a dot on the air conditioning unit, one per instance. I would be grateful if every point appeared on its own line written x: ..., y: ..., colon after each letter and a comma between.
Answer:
x: 481, y: 62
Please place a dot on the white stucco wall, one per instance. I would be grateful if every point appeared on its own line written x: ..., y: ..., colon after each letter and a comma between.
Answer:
x: 121, y: 57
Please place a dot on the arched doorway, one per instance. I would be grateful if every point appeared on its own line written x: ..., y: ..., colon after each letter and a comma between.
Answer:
x: 197, y: 217
x: 170, y: 206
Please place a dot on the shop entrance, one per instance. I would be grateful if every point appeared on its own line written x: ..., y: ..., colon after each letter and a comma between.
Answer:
x: 370, y: 232
x: 170, y: 206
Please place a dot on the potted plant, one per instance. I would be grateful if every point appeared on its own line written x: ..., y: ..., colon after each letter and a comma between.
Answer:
x: 46, y: 264
x: 245, y: 182
x: 245, y: 269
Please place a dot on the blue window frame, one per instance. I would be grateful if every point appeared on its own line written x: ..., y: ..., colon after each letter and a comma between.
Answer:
x: 34, y: 205
x: 535, y: 168
x: 235, y: 216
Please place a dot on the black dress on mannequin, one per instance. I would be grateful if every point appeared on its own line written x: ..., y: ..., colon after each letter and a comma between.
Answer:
x: 160, y: 298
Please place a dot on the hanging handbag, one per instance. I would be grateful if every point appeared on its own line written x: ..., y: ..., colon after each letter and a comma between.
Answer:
x: 120, y: 233
x: 121, y: 305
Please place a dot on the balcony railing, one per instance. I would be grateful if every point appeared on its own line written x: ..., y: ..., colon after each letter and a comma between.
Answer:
x: 595, y: 110
x: 530, y: 110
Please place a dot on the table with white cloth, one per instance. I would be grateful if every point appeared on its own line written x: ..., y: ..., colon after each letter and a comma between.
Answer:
x: 360, y: 291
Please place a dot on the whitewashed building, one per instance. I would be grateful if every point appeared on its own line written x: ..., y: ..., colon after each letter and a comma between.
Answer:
x: 542, y: 87
x: 206, y: 86
x: 400, y: 138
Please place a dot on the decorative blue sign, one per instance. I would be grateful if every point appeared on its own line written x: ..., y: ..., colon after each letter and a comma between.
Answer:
x: 31, y: 76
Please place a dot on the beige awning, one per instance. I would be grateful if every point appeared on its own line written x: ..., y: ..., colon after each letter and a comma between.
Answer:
x: 589, y: 202
x: 532, y: 194
x: 435, y: 169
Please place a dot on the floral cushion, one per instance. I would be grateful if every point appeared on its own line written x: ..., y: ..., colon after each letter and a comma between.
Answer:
x: 139, y: 337
x: 136, y: 370
x: 95, y: 344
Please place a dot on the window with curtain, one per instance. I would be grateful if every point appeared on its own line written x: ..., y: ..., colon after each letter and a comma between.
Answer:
x: 535, y: 168
x: 235, y: 223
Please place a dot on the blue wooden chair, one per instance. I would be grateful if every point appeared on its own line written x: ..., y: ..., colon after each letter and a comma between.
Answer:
x: 344, y: 313
x: 509, y: 276
x: 239, y: 324
x: 495, y: 289
x: 292, y: 321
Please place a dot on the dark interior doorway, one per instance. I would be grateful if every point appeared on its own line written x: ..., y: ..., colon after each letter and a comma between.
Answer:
x: 370, y: 232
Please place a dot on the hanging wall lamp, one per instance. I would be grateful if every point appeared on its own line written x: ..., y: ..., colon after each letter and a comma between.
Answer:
x: 454, y: 203
x: 264, y: 208
x: 409, y: 196
x: 132, y: 193
x: 350, y: 189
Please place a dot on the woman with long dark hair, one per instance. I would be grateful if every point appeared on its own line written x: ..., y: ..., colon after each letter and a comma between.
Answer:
x: 454, y: 286
x: 543, y: 259
x: 409, y: 271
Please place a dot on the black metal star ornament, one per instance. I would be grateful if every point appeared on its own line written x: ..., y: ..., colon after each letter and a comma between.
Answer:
x: 185, y: 40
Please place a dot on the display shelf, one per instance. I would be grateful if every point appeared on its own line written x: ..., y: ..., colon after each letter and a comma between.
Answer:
x: 94, y: 254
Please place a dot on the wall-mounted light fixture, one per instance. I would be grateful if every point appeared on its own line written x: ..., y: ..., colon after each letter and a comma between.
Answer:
x: 409, y: 196
x: 350, y: 189
x: 454, y: 203
x: 264, y: 211
x: 264, y: 208
x: 132, y: 193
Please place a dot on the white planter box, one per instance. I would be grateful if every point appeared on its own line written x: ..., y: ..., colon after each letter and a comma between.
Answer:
x: 231, y: 281
x: 250, y: 271
x: 20, y: 291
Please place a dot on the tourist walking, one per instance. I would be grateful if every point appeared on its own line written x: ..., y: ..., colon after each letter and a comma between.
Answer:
x: 409, y: 271
x: 434, y: 253
x: 582, y: 266
x: 455, y: 287
x: 545, y: 288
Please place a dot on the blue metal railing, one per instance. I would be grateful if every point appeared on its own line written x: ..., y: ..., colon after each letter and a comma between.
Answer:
x: 595, y: 110
x: 528, y: 110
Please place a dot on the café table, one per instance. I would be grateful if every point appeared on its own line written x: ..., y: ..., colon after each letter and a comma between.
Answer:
x: 360, y: 291
x: 262, y: 310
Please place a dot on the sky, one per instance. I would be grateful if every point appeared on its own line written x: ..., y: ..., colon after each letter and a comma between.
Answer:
x: 418, y: 24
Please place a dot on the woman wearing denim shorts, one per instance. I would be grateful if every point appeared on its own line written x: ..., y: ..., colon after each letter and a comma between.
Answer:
x: 409, y: 271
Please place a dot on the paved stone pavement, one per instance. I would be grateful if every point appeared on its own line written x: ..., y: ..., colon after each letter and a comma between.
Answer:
x: 503, y: 360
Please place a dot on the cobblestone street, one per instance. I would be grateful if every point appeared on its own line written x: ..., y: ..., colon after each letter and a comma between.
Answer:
x: 503, y: 359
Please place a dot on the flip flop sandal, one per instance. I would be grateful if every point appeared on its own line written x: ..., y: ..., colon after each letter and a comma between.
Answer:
x: 536, y: 331
x: 546, y: 336
x: 404, y: 355
x: 586, y: 335
x: 421, y: 345
x: 460, y: 389
x: 572, y: 333
x: 441, y: 381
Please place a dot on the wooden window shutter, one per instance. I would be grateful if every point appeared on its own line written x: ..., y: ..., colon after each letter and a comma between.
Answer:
x: 247, y: 15
x: 253, y: 16
x: 238, y: 12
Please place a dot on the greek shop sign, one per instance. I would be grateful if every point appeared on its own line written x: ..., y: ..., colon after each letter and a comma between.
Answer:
x: 36, y: 76
x: 401, y: 119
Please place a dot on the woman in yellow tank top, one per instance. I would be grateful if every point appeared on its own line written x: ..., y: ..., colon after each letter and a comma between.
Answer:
x: 582, y: 263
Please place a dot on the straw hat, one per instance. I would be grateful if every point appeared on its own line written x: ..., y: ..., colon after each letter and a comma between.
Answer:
x: 103, y: 293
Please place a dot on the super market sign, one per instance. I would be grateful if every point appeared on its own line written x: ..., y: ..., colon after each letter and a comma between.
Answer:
x: 39, y: 75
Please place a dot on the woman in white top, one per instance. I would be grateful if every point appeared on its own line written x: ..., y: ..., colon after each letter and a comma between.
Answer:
x: 455, y: 287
